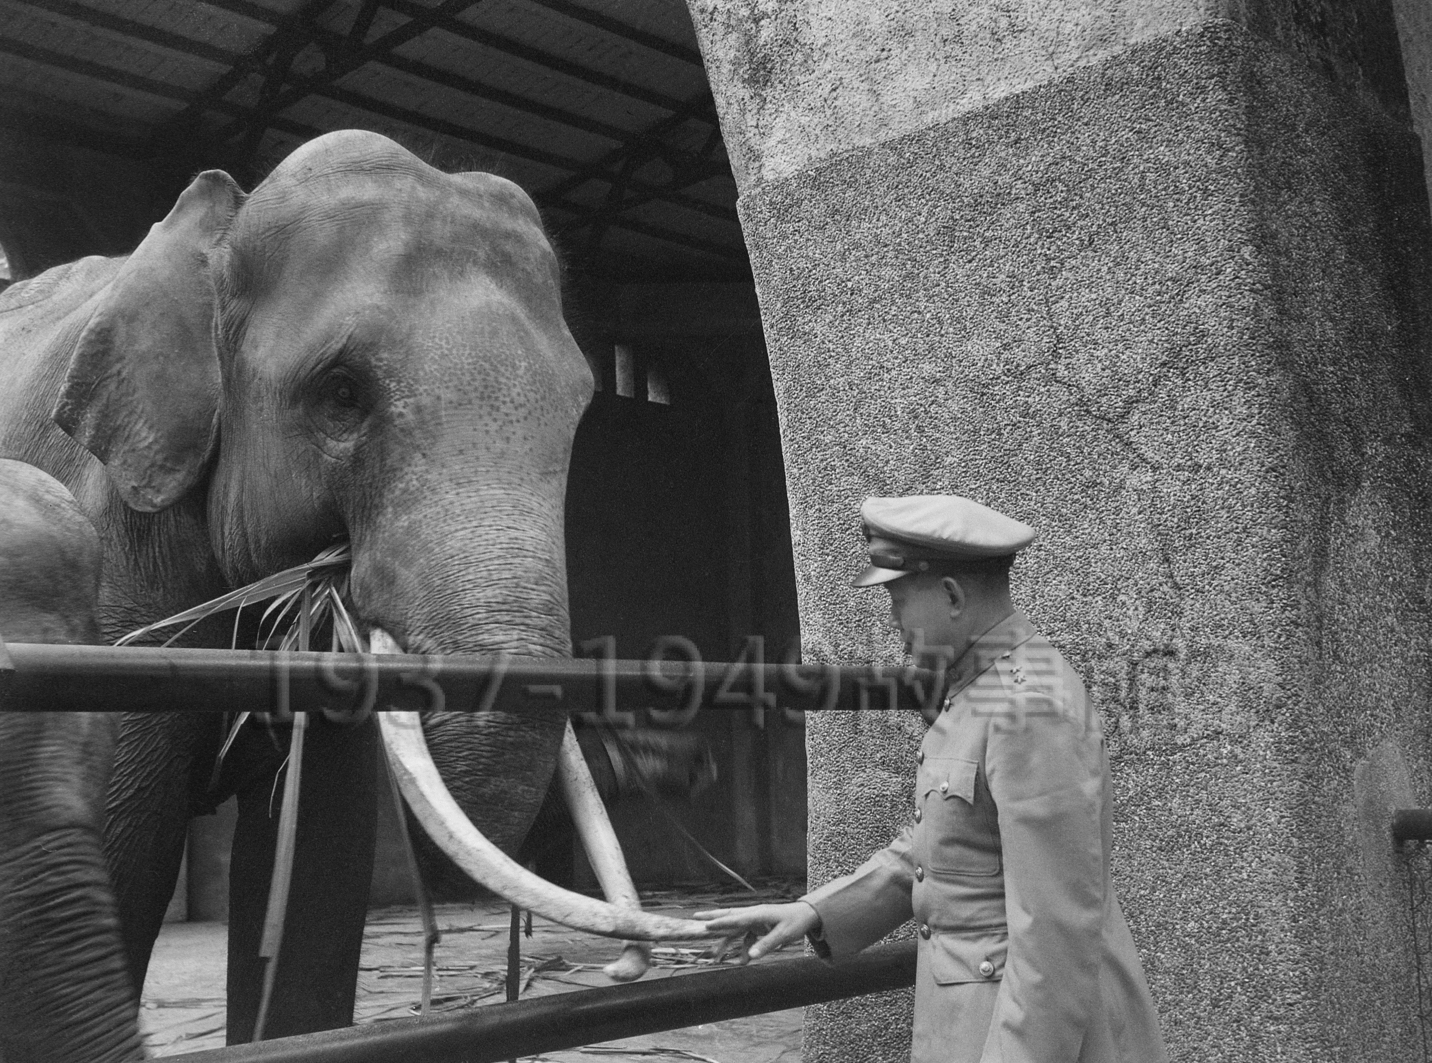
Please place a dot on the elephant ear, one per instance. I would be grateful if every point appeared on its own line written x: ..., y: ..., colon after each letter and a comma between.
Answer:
x: 142, y: 391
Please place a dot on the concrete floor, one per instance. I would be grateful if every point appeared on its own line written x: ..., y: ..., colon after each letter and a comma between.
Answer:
x: 183, y: 1001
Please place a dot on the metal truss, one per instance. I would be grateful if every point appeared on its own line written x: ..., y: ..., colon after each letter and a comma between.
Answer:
x: 625, y: 169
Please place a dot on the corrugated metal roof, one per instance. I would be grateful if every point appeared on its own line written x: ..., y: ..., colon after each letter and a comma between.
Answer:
x: 600, y: 108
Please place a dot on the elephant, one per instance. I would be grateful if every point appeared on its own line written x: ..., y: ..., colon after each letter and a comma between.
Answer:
x: 361, y: 347
x: 54, y: 888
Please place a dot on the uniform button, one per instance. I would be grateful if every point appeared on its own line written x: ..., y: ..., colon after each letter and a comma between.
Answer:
x: 918, y: 815
x: 920, y: 757
x: 944, y: 787
x: 987, y: 969
x: 919, y: 873
x: 924, y: 930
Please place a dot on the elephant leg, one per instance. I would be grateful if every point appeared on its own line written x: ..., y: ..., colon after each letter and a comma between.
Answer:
x: 317, y: 974
x: 160, y: 759
x: 65, y: 991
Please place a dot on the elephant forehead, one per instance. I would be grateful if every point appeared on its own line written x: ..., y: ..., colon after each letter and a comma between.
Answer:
x: 395, y: 213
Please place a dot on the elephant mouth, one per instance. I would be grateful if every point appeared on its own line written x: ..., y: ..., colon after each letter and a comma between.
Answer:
x: 446, y: 824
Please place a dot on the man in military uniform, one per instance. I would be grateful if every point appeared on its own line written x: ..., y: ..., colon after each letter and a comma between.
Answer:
x: 1024, y: 955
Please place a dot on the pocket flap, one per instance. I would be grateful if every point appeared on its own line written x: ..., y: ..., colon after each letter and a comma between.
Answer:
x: 951, y: 777
x: 976, y: 956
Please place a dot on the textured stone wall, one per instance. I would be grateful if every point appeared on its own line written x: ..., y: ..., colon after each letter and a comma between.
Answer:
x: 1172, y: 307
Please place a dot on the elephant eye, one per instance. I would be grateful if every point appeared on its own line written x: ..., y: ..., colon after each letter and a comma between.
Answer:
x: 341, y: 402
x: 341, y: 390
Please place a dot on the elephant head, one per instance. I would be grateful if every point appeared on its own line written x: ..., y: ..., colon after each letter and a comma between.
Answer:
x: 362, y: 347
x: 55, y: 905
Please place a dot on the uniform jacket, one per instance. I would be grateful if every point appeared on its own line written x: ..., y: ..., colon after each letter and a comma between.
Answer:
x: 1024, y: 955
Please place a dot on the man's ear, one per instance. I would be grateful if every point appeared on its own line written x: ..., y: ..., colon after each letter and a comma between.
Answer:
x: 959, y: 598
x: 142, y: 391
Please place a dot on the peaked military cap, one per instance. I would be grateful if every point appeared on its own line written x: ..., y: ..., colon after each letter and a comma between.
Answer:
x: 905, y: 534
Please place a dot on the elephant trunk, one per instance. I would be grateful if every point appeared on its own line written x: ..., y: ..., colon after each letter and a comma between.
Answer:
x: 488, y: 579
x: 65, y: 991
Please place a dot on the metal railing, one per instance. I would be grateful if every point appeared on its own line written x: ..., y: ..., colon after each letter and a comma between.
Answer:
x: 500, y: 1032
x: 147, y: 679
x: 38, y: 677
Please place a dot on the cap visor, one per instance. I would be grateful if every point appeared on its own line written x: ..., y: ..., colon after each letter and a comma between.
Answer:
x: 873, y: 576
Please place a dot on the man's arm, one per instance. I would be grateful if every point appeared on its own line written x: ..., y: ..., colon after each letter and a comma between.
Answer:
x: 1045, y: 766
x: 844, y: 915
x: 860, y: 908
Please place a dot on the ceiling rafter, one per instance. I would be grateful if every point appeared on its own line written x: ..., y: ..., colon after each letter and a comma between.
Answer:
x: 140, y: 31
x: 620, y: 29
x: 542, y: 58
x: 183, y: 124
x: 626, y: 170
x: 337, y: 65
x: 329, y: 41
x: 418, y: 119
x: 123, y: 78
x: 489, y: 39
x: 165, y: 90
x: 279, y: 56
x: 617, y: 166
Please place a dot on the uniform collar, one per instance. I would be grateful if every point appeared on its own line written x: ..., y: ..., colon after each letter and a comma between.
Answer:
x: 1014, y: 630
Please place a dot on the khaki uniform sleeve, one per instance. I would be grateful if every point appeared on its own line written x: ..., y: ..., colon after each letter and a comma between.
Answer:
x: 865, y: 905
x: 1045, y: 766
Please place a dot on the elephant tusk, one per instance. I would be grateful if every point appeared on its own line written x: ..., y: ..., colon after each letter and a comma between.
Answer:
x: 603, y: 850
x: 427, y: 795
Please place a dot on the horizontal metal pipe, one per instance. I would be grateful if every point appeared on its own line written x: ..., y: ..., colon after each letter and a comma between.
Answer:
x: 150, y: 679
x: 590, y: 1016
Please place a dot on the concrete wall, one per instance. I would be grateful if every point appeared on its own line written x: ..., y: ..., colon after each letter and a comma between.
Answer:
x: 1155, y: 279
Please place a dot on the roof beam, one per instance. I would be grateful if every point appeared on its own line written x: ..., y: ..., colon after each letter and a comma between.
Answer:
x: 417, y: 119
x: 88, y: 16
x: 85, y: 67
x: 284, y: 46
x: 697, y: 107
x: 126, y: 79
x: 536, y: 56
x: 329, y: 41
x: 336, y: 66
x: 620, y: 29
x: 289, y: 26
x: 488, y: 39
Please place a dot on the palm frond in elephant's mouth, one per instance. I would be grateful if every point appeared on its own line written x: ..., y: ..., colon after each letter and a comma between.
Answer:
x: 305, y: 601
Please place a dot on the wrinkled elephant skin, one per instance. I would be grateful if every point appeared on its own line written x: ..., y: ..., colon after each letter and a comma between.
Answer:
x: 362, y: 346
x: 65, y: 991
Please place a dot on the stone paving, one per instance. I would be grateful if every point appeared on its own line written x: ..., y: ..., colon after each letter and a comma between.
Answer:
x: 183, y: 1001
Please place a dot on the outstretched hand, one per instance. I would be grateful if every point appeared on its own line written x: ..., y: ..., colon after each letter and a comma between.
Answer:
x: 780, y: 924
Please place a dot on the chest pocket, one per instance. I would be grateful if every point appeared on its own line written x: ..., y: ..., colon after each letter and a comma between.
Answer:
x: 959, y: 819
